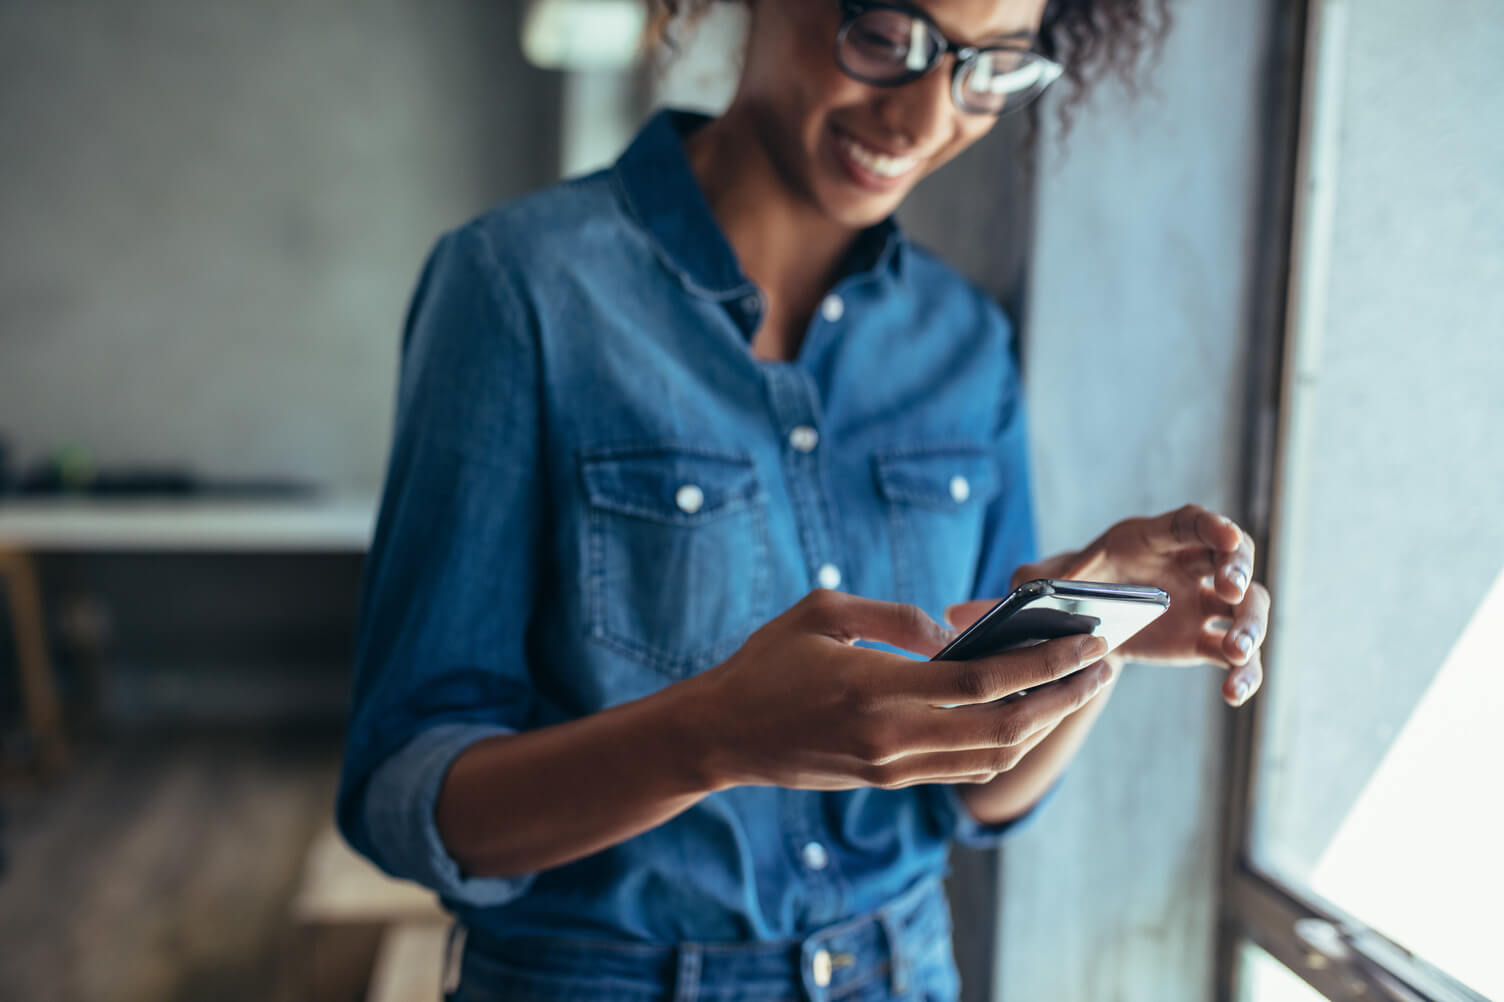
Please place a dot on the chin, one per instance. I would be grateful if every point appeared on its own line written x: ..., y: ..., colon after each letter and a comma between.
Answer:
x: 860, y: 214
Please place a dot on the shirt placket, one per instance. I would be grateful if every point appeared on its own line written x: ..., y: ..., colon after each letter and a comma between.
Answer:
x: 797, y: 416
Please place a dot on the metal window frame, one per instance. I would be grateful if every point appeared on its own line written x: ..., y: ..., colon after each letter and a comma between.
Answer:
x: 1332, y: 951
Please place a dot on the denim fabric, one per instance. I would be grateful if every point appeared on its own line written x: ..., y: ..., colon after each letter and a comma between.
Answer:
x: 595, y: 490
x: 901, y: 951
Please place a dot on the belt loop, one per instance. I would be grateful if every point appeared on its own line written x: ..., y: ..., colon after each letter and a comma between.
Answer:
x: 687, y: 977
x: 898, y: 958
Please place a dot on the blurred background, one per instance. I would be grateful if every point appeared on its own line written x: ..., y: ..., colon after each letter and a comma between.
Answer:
x: 1270, y: 281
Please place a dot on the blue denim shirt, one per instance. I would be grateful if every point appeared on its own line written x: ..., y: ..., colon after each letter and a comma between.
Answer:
x: 595, y: 490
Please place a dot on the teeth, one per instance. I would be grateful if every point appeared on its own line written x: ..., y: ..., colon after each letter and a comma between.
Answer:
x: 878, y: 163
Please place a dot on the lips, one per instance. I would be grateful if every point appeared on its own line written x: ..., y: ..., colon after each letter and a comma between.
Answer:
x: 871, y: 168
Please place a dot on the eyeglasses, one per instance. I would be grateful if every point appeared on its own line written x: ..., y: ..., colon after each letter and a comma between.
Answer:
x: 889, y: 45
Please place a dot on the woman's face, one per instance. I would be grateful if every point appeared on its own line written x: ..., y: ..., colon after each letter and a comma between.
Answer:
x: 851, y: 149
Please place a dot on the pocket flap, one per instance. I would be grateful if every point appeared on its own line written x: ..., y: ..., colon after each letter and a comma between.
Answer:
x: 946, y: 477
x: 683, y: 486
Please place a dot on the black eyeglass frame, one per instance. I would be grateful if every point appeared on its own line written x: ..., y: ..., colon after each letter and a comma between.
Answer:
x: 852, y: 10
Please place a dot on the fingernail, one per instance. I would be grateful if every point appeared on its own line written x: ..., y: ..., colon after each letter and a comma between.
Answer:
x: 1093, y: 648
x: 1238, y: 578
x: 1241, y: 692
x: 1244, y: 643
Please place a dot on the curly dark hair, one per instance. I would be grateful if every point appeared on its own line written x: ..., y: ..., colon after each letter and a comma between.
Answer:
x: 1092, y: 39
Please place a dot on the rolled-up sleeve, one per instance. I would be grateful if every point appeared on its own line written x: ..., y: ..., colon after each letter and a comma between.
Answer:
x: 1008, y: 540
x: 448, y: 585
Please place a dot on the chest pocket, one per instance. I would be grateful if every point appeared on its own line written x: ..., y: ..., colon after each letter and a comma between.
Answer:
x: 936, y: 501
x: 676, y: 564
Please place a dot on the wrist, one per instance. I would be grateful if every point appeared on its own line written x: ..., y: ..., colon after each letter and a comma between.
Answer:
x: 693, y: 742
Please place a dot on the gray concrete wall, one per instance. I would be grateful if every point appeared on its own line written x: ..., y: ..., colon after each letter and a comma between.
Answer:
x: 214, y: 215
x: 1134, y: 347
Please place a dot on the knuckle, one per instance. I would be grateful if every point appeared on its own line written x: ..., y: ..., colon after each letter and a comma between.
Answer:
x: 823, y: 603
x: 911, y: 618
x: 974, y: 682
x: 1061, y: 658
x: 1003, y: 761
x: 1010, y: 729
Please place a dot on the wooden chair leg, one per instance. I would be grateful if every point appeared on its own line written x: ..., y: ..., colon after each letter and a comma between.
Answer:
x: 38, y: 684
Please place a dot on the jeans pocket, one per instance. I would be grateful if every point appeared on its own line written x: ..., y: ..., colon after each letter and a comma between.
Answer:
x: 676, y: 556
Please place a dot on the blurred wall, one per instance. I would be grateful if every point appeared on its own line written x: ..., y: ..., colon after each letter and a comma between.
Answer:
x: 1135, y: 349
x: 214, y: 214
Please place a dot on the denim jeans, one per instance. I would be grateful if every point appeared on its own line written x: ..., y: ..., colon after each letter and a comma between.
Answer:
x: 900, y: 952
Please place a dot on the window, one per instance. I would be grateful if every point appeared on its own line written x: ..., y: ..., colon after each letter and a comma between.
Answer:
x: 1365, y: 847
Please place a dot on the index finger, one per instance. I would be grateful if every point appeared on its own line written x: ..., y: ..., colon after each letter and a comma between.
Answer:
x: 1191, y: 525
x: 849, y: 618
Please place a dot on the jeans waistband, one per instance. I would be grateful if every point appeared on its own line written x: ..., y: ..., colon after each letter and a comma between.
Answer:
x: 822, y: 966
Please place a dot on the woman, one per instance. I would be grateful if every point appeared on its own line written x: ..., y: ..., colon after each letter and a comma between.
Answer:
x: 686, y: 452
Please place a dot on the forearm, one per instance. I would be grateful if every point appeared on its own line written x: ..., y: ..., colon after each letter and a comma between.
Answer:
x: 526, y: 802
x: 1012, y: 793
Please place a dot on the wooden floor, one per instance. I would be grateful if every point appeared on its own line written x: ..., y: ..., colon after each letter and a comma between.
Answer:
x: 160, y: 868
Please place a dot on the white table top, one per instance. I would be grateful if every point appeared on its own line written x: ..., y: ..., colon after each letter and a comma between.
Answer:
x: 340, y: 523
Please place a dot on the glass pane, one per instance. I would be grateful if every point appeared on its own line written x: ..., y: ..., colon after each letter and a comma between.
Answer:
x: 1380, y: 780
x: 1261, y: 978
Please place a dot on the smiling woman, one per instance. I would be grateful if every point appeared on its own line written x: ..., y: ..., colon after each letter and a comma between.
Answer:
x: 688, y: 453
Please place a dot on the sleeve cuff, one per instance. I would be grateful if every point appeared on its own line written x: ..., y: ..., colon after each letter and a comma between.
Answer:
x: 399, y: 818
x: 954, y: 817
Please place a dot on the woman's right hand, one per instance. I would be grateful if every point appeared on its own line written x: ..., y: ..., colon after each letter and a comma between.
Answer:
x: 799, y: 705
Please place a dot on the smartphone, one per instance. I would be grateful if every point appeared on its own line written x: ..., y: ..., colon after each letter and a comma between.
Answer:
x: 1048, y: 608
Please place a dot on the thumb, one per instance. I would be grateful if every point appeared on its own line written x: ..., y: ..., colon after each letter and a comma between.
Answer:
x: 963, y: 614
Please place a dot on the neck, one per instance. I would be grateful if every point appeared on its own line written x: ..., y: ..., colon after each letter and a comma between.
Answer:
x: 782, y: 241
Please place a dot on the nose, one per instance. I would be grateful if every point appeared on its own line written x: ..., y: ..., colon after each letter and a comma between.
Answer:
x: 921, y: 111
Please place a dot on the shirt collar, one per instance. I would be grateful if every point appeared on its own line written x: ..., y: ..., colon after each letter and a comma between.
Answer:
x: 663, y: 195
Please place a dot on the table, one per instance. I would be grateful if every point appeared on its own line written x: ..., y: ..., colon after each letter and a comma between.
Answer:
x: 324, y: 523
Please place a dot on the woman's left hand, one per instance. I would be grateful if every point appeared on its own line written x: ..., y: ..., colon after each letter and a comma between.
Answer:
x: 1217, y: 613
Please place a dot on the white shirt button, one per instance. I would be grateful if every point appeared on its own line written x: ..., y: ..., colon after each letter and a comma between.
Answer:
x: 751, y: 302
x: 833, y: 308
x: 804, y: 438
x: 814, y: 855
x: 689, y: 498
x: 829, y: 576
x: 960, y: 489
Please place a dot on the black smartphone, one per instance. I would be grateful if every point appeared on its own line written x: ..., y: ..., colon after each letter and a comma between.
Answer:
x: 1048, y: 608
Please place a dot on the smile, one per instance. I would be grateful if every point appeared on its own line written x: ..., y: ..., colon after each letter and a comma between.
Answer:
x: 880, y: 164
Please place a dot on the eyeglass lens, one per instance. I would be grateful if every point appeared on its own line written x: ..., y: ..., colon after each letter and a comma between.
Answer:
x: 886, y: 45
